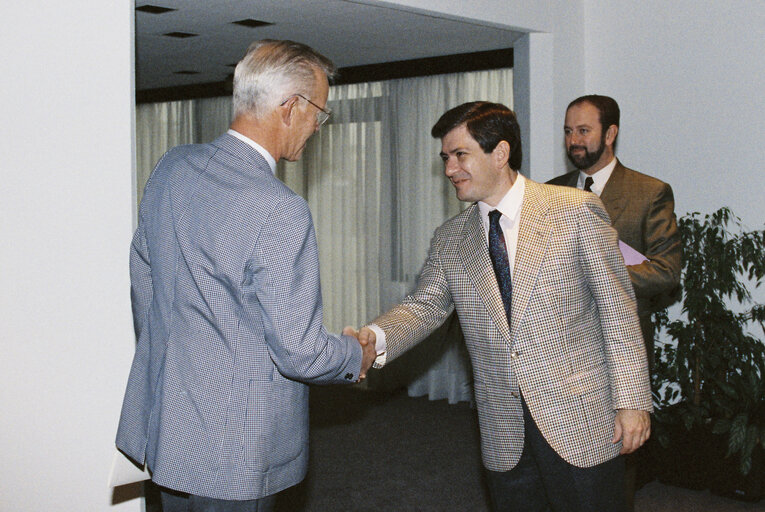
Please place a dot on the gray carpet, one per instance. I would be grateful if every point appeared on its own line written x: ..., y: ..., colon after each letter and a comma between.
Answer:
x: 388, y: 452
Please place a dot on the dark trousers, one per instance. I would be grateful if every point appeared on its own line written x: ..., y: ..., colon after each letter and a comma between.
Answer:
x: 542, y: 481
x: 173, y: 501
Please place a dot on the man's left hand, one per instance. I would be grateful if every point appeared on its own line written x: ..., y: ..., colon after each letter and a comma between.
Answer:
x: 633, y: 428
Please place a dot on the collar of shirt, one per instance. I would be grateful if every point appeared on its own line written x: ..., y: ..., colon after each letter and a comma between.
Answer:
x: 510, y: 206
x: 257, y: 147
x: 599, y: 178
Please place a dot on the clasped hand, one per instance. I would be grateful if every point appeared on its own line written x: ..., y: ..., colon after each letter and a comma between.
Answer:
x: 366, y: 338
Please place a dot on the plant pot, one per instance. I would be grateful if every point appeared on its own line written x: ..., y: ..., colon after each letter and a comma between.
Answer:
x: 685, y: 461
x: 729, y: 482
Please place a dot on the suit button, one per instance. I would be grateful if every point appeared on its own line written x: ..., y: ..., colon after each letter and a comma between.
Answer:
x: 348, y: 376
x: 514, y: 355
x: 514, y: 394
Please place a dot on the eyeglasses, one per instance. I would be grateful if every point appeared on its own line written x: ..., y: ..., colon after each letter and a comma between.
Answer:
x: 321, y: 116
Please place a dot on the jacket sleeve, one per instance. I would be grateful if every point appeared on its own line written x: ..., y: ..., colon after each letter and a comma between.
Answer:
x: 660, y: 275
x: 421, y: 312
x: 285, y: 280
x: 612, y: 291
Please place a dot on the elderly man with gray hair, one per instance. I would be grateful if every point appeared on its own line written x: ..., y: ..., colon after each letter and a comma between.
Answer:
x: 227, y: 304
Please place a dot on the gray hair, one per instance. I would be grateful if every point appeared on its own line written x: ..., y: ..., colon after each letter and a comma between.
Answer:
x: 272, y: 70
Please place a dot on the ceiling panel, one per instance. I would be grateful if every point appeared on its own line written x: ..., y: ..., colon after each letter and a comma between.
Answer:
x: 349, y: 33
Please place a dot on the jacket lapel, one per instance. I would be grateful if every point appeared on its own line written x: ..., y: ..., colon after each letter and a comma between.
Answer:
x: 474, y: 253
x: 613, y: 193
x: 533, y: 238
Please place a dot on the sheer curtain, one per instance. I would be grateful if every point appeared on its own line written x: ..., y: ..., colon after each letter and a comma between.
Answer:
x: 161, y: 126
x: 375, y: 185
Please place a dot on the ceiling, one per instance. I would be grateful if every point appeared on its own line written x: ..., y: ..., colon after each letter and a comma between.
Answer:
x: 348, y: 32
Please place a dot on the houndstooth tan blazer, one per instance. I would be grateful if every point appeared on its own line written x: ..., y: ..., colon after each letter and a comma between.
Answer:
x: 573, y: 349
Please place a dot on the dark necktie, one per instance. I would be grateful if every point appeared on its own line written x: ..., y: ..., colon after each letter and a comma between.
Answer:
x: 588, y: 181
x: 500, y: 261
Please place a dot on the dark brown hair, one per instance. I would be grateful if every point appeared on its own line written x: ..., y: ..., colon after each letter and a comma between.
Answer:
x: 488, y: 123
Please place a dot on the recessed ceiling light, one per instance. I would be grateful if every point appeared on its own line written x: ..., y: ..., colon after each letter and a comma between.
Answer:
x: 180, y: 35
x: 249, y: 22
x: 154, y: 9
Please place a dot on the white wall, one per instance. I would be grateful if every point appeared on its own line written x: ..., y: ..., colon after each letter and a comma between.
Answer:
x: 533, y: 102
x: 66, y: 221
x: 689, y: 77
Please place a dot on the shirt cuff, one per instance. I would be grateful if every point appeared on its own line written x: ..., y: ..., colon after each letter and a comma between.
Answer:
x: 380, y: 345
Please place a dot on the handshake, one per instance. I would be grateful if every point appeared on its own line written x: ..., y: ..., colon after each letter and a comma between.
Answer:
x: 367, y: 339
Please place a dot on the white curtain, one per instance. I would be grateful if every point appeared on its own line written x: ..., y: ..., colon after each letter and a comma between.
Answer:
x: 161, y: 126
x: 374, y: 182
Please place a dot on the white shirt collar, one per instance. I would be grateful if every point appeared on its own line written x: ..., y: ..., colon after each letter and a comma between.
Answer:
x: 599, y: 178
x: 257, y: 147
x: 509, y: 205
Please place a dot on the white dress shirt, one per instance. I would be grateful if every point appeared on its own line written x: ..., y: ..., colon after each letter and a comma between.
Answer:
x: 510, y: 206
x: 599, y: 178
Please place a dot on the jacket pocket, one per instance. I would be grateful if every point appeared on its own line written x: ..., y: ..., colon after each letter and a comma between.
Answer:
x: 276, y: 425
x: 583, y: 382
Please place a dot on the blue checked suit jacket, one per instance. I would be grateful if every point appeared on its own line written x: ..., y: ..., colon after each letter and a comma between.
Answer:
x: 228, y: 315
x: 573, y: 348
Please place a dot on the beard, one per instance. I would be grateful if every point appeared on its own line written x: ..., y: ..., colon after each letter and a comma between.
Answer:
x: 587, y: 159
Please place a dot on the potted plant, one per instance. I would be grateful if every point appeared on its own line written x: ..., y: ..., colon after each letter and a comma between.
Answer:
x: 709, y: 378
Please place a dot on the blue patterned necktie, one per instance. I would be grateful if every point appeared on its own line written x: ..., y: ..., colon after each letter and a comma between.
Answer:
x: 500, y: 261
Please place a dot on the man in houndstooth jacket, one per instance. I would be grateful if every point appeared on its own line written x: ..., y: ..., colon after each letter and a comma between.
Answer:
x: 226, y: 301
x: 560, y: 372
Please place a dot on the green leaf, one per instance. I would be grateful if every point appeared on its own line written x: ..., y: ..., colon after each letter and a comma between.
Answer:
x: 688, y: 421
x: 746, y: 465
x: 737, y: 433
x: 746, y: 451
x: 751, y: 440
x: 721, y: 426
x: 727, y: 389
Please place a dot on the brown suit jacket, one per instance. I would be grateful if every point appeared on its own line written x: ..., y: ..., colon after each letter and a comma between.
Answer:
x: 642, y: 210
x: 573, y: 348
